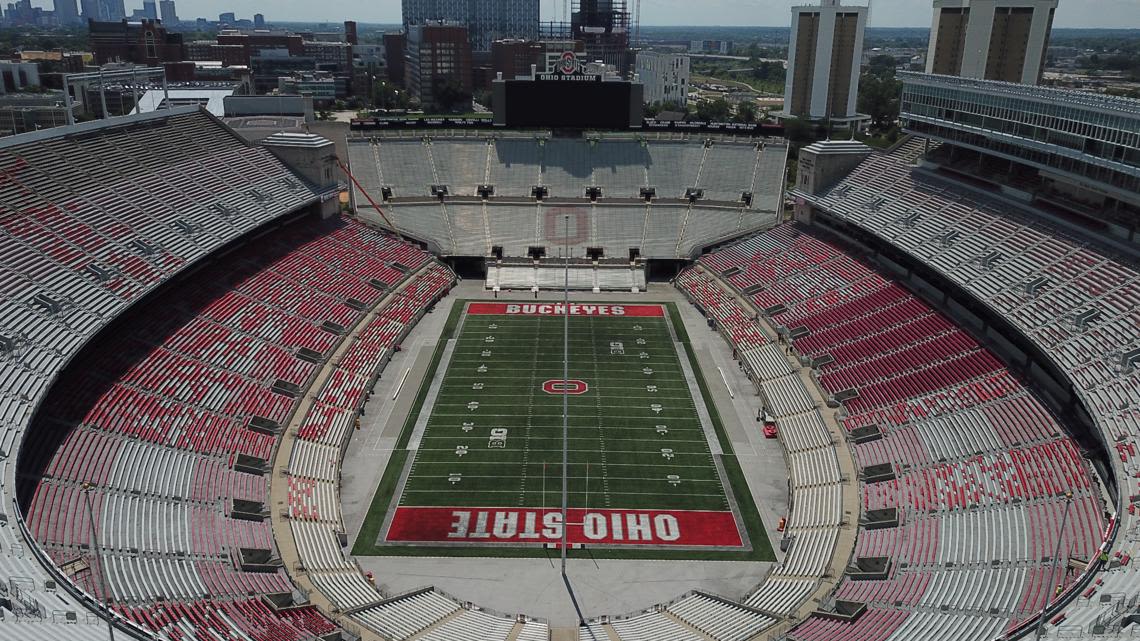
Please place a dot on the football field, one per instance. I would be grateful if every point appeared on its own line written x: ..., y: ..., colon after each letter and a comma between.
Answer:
x: 487, y: 447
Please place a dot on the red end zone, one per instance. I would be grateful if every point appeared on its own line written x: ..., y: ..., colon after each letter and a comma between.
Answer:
x: 598, y: 527
x: 558, y: 309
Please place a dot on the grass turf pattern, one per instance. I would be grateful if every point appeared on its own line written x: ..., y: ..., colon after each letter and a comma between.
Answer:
x: 609, y: 430
x: 635, y: 455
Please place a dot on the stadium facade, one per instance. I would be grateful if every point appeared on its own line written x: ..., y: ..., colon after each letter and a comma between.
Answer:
x: 1073, y: 150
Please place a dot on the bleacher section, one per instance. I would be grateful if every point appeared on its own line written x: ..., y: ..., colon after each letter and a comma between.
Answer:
x: 172, y: 421
x: 657, y: 231
x: 811, y: 532
x: 230, y: 621
x: 92, y: 219
x: 975, y: 466
x: 695, y: 617
x: 464, y: 223
x: 1076, y: 302
x: 551, y: 275
x: 313, y: 478
x: 432, y: 616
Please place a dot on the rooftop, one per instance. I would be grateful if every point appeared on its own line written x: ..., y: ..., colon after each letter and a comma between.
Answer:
x: 288, y: 139
x: 825, y: 147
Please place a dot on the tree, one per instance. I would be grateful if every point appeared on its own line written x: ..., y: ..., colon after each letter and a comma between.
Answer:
x: 882, y: 66
x: 714, y: 110
x: 385, y: 95
x: 879, y: 98
x: 773, y: 72
x: 485, y: 98
x: 449, y: 94
x: 798, y: 132
x: 746, y: 112
x: 654, y: 110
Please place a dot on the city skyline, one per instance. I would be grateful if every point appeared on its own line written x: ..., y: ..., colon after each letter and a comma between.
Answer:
x: 708, y: 13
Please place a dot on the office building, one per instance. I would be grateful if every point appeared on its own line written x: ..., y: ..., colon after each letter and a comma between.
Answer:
x: 603, y: 26
x: 437, y: 54
x: 66, y: 11
x: 721, y: 47
x: 823, y: 62
x: 167, y: 12
x: 322, y: 86
x: 143, y: 43
x: 329, y: 56
x: 1002, y: 40
x: 515, y: 58
x: 395, y: 49
x: 114, y: 9
x: 103, y: 10
x: 486, y: 20
x: 665, y: 77
x: 23, y: 13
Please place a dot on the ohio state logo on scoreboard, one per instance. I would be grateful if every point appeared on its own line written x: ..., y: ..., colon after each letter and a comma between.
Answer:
x: 571, y: 387
x: 568, y: 63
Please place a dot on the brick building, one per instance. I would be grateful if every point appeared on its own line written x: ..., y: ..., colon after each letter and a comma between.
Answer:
x: 142, y: 43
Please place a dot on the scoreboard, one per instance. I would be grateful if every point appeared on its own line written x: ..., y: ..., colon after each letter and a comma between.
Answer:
x: 577, y: 104
x: 566, y: 97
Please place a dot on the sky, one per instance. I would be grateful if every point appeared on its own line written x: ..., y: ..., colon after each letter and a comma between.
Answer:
x: 767, y: 13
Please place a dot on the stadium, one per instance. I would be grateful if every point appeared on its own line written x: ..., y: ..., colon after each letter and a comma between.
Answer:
x: 532, y: 384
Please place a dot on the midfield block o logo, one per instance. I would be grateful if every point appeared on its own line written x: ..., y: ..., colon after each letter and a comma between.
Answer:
x: 571, y: 387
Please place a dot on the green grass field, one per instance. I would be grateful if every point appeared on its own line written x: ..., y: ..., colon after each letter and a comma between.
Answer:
x: 635, y: 434
x: 613, y: 430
